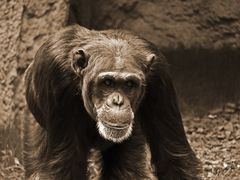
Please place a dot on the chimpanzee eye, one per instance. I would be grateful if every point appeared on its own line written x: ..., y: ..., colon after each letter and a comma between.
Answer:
x: 108, y: 82
x: 131, y: 84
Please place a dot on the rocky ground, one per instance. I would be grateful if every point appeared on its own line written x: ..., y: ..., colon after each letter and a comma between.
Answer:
x: 215, y: 137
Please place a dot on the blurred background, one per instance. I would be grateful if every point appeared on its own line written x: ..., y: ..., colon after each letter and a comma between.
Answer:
x: 201, y: 40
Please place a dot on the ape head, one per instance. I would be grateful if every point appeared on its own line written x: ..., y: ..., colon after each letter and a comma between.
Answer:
x: 112, y: 83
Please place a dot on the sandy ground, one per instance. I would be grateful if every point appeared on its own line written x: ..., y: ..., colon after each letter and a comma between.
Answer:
x: 215, y: 137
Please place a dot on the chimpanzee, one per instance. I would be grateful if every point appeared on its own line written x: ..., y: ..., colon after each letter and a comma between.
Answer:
x: 108, y: 90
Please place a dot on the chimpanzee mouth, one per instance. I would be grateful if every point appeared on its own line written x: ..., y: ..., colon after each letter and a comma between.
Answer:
x: 114, y: 132
x: 115, y: 126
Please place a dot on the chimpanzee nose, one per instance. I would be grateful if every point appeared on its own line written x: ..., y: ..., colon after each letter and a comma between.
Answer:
x: 117, y: 100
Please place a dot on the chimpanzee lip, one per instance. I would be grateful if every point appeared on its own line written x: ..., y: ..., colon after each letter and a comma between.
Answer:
x: 107, y: 107
x: 114, y: 133
x: 115, y: 126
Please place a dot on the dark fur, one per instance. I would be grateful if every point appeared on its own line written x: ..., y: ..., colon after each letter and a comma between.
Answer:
x: 67, y: 132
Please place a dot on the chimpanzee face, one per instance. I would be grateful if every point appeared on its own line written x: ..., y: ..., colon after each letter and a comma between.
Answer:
x: 112, y: 89
x: 115, y: 97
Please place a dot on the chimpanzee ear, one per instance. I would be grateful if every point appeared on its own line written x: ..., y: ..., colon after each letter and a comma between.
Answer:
x: 79, y: 60
x: 150, y: 60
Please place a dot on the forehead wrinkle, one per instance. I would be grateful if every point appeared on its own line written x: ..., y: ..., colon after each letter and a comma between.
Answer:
x: 118, y: 54
x: 122, y: 75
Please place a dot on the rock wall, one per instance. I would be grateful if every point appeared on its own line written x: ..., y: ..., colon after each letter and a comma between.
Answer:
x: 23, y: 27
x: 174, y: 24
x: 10, y: 28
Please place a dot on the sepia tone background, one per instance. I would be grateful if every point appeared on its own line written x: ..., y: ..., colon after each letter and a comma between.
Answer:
x: 201, y: 40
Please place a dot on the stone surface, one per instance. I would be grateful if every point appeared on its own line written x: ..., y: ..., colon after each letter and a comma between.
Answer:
x: 23, y: 27
x: 10, y: 28
x: 176, y: 24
